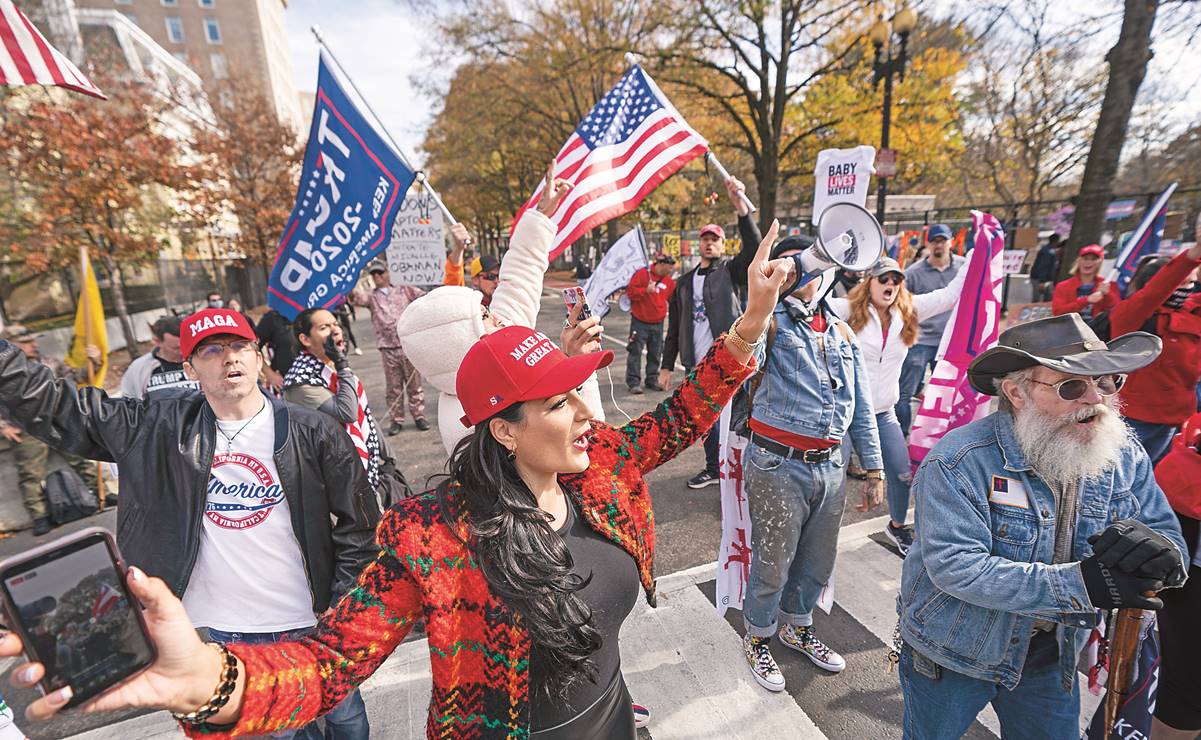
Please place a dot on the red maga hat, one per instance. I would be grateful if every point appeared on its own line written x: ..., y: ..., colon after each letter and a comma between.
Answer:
x: 518, y: 364
x: 210, y: 322
x: 1093, y: 249
x: 714, y: 229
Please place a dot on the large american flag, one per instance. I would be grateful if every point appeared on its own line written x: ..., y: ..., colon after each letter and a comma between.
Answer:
x: 632, y: 140
x: 27, y: 59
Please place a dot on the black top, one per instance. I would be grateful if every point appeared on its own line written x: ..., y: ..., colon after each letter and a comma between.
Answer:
x: 610, y: 595
x: 274, y: 331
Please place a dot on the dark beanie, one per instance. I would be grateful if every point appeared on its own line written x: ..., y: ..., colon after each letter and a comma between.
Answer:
x: 789, y: 243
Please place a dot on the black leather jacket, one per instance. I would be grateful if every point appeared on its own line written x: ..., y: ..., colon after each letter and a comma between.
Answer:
x: 164, y: 451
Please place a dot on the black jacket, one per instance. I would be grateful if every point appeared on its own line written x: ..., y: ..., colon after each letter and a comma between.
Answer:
x: 725, y: 284
x: 164, y: 451
x: 1046, y: 265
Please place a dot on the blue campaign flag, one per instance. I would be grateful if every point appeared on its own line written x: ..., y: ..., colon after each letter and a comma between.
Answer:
x: 1143, y: 241
x: 351, y: 188
x: 1136, y: 711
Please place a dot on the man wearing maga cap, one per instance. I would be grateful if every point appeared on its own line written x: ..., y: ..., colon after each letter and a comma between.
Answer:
x: 257, y: 513
x: 1028, y: 521
x: 649, y: 291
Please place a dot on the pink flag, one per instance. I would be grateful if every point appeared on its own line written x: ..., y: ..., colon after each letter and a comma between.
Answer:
x: 950, y: 401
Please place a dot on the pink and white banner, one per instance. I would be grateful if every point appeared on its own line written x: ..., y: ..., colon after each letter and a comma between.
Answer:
x: 949, y: 400
x: 734, y: 555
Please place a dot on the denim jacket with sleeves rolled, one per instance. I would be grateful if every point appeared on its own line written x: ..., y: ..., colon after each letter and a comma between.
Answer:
x: 815, y: 385
x: 979, y: 573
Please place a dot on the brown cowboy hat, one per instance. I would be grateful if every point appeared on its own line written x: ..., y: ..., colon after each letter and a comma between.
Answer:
x: 1064, y: 343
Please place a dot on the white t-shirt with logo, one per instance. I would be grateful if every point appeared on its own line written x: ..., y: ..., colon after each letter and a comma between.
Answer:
x: 702, y: 333
x: 842, y: 176
x: 249, y: 574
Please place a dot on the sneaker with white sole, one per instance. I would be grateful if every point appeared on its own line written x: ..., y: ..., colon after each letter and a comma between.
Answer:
x: 803, y: 640
x: 642, y: 715
x: 902, y: 537
x: 763, y: 666
x: 704, y: 478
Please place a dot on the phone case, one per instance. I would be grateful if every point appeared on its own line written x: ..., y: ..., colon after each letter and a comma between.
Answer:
x: 10, y: 610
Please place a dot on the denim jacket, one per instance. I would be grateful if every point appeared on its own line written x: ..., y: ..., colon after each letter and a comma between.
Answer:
x: 816, y: 385
x: 979, y: 573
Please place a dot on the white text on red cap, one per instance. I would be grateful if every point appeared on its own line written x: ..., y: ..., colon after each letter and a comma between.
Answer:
x: 532, y: 349
x: 212, y: 322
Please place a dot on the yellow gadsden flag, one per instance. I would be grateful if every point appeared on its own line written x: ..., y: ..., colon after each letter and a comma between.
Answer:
x: 89, y: 328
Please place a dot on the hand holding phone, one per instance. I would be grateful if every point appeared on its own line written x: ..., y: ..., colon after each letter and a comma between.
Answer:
x: 573, y: 297
x: 73, y: 610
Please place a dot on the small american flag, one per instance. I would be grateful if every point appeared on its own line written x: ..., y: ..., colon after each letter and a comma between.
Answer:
x: 630, y: 141
x: 27, y: 59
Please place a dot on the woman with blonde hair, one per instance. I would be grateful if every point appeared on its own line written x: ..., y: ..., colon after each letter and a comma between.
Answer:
x: 1085, y: 292
x: 885, y: 317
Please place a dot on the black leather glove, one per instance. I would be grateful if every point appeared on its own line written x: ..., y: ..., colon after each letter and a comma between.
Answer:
x: 335, y: 354
x: 1115, y: 589
x: 1133, y: 547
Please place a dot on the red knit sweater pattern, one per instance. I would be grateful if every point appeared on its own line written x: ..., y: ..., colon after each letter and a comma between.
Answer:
x: 479, y: 652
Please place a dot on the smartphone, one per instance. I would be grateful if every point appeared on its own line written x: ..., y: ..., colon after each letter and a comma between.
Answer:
x: 68, y: 602
x: 574, y: 295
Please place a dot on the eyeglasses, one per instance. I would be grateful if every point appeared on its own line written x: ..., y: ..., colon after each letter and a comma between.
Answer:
x: 891, y: 278
x: 489, y: 275
x: 1073, y: 388
x: 216, y: 349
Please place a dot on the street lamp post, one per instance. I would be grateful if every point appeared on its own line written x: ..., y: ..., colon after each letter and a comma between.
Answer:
x: 883, y: 68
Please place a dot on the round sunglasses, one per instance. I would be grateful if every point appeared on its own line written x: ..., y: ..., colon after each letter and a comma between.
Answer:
x: 1073, y: 389
x: 891, y: 278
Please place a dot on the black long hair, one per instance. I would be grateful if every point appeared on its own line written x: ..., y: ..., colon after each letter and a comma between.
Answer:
x: 526, y: 564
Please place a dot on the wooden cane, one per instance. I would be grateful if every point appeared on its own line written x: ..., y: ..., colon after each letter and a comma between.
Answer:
x: 1123, y: 650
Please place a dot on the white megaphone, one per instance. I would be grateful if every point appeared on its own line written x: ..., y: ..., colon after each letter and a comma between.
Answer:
x: 848, y: 236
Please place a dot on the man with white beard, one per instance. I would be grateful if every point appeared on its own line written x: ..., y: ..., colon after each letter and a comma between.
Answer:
x: 1029, y: 520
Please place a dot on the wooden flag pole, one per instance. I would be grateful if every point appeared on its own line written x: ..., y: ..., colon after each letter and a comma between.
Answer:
x: 87, y: 342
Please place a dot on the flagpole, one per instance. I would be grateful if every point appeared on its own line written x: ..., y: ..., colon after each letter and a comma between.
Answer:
x: 418, y: 174
x: 87, y: 342
x: 717, y: 165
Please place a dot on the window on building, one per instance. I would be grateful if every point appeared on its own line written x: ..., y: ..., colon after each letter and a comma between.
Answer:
x: 124, y: 2
x: 219, y: 66
x: 170, y: 3
x: 181, y: 56
x: 174, y: 29
x: 212, y: 30
x: 206, y: 3
x: 132, y: 18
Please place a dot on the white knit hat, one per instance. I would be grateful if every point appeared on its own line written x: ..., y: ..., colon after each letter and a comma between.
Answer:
x: 437, y: 329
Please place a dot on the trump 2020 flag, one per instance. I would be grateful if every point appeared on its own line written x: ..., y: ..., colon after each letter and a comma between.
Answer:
x: 626, y: 257
x: 1143, y: 241
x: 632, y: 140
x: 950, y: 401
x: 351, y: 189
x: 1136, y: 711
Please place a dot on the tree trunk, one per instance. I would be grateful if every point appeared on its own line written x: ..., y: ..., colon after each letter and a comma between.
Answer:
x: 767, y: 177
x: 118, y: 285
x: 1127, y: 66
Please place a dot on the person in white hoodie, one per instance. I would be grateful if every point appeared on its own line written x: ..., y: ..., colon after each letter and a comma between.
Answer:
x: 884, y: 316
x: 437, y: 329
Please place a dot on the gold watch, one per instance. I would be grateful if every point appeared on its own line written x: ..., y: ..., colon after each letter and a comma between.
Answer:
x: 740, y: 342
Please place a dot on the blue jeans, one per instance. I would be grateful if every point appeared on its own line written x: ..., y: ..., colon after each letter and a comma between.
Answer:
x: 945, y: 707
x: 897, y: 472
x: 346, y: 721
x: 913, y: 373
x: 796, y: 509
x: 1156, y: 438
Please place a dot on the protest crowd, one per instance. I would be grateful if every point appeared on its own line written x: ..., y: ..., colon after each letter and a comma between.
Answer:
x: 1039, y: 480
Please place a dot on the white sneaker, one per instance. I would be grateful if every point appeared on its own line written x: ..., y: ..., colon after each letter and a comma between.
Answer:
x: 803, y: 640
x: 762, y: 665
x: 358, y: 351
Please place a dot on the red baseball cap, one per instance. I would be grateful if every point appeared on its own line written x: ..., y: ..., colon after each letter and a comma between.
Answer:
x: 209, y: 322
x: 518, y: 364
x: 714, y: 229
x: 1093, y: 249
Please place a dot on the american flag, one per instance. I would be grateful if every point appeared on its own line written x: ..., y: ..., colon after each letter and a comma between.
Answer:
x: 632, y: 140
x: 27, y: 59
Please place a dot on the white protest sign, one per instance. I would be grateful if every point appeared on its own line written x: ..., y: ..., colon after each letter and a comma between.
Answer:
x: 1013, y: 260
x: 841, y: 176
x: 417, y: 252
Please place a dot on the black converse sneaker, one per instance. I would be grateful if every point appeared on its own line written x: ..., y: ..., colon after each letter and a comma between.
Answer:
x: 763, y: 666
x: 803, y: 640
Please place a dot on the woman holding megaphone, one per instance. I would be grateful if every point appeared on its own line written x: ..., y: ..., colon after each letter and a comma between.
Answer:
x: 524, y: 562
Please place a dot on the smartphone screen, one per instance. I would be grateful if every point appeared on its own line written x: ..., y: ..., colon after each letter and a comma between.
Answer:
x: 572, y: 296
x: 77, y: 617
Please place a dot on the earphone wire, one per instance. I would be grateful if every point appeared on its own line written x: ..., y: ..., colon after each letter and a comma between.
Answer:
x: 613, y: 397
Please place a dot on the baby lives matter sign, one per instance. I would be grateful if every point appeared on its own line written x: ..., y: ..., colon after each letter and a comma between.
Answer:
x: 417, y: 253
x: 842, y: 176
x: 351, y: 189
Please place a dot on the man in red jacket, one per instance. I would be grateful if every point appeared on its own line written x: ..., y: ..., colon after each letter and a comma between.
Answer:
x: 649, y: 291
x: 1161, y: 396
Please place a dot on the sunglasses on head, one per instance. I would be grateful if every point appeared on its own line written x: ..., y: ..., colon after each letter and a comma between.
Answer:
x: 891, y: 278
x: 1074, y: 388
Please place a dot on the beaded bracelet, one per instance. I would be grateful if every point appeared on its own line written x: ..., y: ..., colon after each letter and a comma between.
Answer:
x: 225, y: 689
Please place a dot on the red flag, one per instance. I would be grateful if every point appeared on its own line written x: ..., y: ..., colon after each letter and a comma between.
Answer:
x: 27, y: 59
